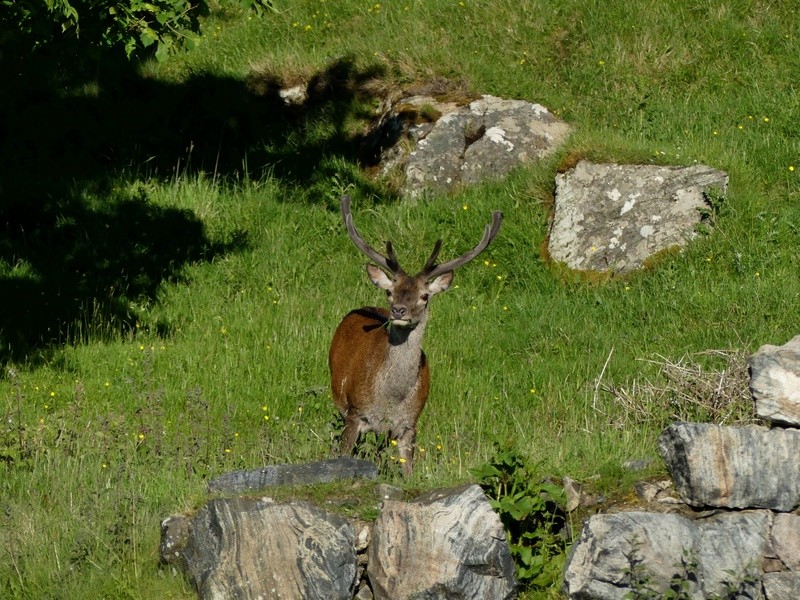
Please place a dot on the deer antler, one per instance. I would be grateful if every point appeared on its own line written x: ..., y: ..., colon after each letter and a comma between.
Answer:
x: 431, y: 270
x: 431, y: 262
x: 388, y: 262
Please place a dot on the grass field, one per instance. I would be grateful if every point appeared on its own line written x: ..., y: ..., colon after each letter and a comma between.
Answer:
x: 173, y: 264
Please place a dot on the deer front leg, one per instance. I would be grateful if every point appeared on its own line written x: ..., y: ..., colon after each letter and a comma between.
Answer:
x: 352, y: 427
x: 405, y: 446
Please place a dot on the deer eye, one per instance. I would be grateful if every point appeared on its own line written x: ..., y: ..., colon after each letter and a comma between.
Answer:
x: 388, y: 293
x: 424, y: 297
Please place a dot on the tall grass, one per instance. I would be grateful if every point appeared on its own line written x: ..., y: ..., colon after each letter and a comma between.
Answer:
x: 225, y: 367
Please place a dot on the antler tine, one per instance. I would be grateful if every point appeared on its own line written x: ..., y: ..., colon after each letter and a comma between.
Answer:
x: 489, y: 234
x: 391, y: 258
x: 389, y: 263
x: 431, y: 262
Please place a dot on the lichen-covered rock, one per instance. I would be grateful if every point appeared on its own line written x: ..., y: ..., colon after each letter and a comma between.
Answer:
x: 775, y: 382
x: 733, y: 467
x: 448, y: 544
x: 645, y: 555
x: 174, y: 536
x: 249, y: 549
x: 445, y: 145
x: 611, y: 217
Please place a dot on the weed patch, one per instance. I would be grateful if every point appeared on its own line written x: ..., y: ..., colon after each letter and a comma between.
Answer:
x: 533, y: 515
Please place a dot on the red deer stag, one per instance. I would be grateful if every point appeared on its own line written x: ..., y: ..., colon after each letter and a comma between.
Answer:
x: 379, y: 374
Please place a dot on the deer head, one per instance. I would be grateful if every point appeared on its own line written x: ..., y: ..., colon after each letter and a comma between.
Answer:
x: 408, y: 295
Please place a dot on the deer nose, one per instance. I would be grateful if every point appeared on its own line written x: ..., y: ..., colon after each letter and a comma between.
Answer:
x: 398, y: 311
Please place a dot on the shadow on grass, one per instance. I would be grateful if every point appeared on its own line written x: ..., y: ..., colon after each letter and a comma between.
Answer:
x: 74, y: 256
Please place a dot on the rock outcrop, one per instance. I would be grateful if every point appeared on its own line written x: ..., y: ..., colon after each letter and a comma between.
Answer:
x: 607, y: 217
x: 611, y: 217
x: 649, y: 554
x: 445, y: 544
x: 775, y: 382
x: 246, y: 549
x: 438, y: 146
x: 733, y: 467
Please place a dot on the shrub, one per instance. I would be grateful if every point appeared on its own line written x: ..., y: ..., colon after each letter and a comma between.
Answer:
x: 532, y: 513
x: 137, y: 27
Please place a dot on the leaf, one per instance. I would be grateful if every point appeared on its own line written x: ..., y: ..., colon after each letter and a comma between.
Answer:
x: 525, y: 554
x: 130, y: 47
x: 485, y: 472
x: 556, y: 491
x: 517, y: 506
x: 162, y: 52
x: 148, y: 37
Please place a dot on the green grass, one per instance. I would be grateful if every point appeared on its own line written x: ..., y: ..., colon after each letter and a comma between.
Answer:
x: 218, y: 360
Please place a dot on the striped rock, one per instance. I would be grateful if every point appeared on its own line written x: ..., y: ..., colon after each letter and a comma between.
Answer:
x: 651, y: 555
x: 733, y: 467
x: 248, y: 549
x: 446, y: 544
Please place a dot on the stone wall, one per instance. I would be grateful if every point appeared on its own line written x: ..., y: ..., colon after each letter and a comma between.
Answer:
x: 736, y: 535
x: 444, y: 544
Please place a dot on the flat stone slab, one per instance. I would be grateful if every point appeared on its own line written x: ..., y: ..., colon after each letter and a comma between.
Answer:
x: 324, y: 471
x: 733, y: 467
x: 611, y: 217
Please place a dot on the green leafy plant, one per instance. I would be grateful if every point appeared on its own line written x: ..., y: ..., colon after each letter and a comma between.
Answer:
x: 138, y: 27
x: 532, y: 513
x: 714, y: 208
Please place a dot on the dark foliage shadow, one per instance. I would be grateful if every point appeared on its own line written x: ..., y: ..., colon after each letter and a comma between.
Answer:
x: 71, y: 128
x: 76, y: 271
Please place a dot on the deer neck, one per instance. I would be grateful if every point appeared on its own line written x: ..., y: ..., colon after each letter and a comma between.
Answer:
x: 401, y: 369
x: 407, y: 339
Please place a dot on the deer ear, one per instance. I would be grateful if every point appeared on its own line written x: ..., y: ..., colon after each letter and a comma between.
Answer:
x: 441, y: 283
x: 378, y: 277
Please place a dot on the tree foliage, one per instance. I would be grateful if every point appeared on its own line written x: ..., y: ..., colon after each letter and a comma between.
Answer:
x: 136, y: 27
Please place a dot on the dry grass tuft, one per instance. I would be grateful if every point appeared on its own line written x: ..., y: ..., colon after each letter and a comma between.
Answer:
x: 690, y: 391
x: 458, y: 91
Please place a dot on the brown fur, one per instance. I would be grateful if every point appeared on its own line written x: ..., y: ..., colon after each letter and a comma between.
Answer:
x: 361, y: 385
